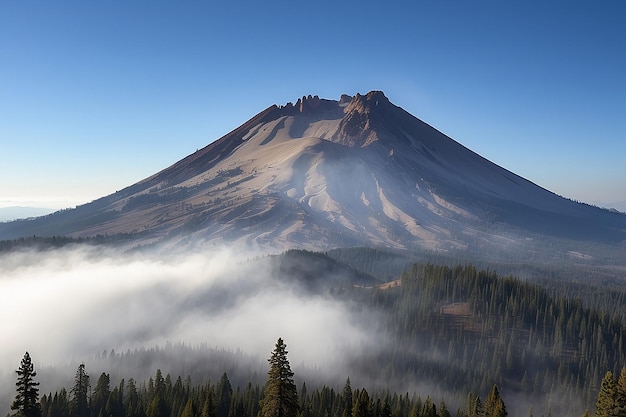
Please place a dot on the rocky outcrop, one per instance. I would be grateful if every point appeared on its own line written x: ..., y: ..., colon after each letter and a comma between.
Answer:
x: 357, y: 129
x: 311, y: 106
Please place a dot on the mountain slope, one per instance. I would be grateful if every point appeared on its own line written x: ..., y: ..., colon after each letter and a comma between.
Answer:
x: 322, y: 173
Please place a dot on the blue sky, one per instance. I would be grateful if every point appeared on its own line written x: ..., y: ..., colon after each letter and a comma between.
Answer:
x: 97, y: 95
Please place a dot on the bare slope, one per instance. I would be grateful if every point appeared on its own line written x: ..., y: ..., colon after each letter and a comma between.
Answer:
x: 323, y: 173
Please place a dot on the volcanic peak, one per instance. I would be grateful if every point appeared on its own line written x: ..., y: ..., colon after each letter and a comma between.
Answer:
x: 289, y: 177
x: 354, y: 115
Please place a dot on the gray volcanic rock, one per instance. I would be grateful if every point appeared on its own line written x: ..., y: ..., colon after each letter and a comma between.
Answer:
x: 323, y: 173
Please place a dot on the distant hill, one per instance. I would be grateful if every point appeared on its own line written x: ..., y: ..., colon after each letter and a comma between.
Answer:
x: 617, y: 205
x: 21, y: 212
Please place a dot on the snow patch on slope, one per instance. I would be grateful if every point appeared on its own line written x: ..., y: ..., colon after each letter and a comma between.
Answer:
x: 394, y: 213
x: 453, y: 208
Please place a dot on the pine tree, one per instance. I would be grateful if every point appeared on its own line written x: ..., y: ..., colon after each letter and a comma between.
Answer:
x: 443, y: 409
x: 362, y: 405
x: 224, y: 395
x: 620, y: 396
x: 100, y: 395
x: 79, y: 405
x: 347, y: 399
x: 494, y: 405
x: 26, y: 401
x: 189, y: 410
x: 386, y: 410
x: 280, y: 395
x: 305, y: 410
x: 474, y: 406
x: 132, y: 403
x: 59, y: 406
x: 114, y: 406
x: 430, y: 410
x: 157, y: 407
x: 606, y: 404
x: 208, y: 408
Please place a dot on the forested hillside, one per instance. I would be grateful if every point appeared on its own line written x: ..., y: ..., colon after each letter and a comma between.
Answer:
x: 466, y: 329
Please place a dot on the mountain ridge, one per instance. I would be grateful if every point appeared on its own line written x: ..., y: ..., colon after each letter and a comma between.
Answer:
x: 326, y: 173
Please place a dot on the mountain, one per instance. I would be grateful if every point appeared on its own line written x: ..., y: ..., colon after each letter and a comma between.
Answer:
x: 325, y: 173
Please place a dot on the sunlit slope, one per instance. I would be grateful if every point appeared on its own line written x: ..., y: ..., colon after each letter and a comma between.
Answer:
x: 323, y: 173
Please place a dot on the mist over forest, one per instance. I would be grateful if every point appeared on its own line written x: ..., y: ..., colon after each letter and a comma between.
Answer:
x: 369, y: 315
x: 67, y: 305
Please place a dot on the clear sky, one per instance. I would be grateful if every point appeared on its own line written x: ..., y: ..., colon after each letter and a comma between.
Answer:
x: 97, y: 95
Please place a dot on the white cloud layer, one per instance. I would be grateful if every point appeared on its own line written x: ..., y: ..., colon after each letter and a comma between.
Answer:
x: 67, y: 305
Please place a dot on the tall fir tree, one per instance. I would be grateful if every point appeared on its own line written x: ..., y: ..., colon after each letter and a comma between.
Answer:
x: 208, y: 407
x: 280, y: 397
x: 189, y: 410
x: 79, y: 404
x: 362, y: 405
x: 494, y: 405
x: 386, y: 410
x: 159, y: 405
x: 474, y: 406
x: 620, y: 395
x: 132, y: 403
x: 26, y: 403
x: 443, y: 409
x: 100, y: 395
x: 224, y: 395
x: 606, y: 404
x: 346, y: 398
x: 114, y: 406
x: 430, y: 410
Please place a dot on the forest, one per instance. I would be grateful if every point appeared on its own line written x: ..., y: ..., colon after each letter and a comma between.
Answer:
x: 164, y: 396
x: 161, y: 396
x: 496, y: 329
x: 444, y: 334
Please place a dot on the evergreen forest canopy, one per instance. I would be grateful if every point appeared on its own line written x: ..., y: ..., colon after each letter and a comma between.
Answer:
x: 450, y: 332
x: 160, y: 396
x: 279, y: 397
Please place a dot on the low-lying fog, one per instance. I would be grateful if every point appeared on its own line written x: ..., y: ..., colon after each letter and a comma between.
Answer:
x: 65, y: 306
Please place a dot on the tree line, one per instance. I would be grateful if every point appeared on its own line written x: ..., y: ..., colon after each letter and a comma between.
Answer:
x: 161, y: 396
